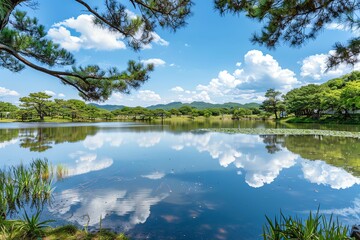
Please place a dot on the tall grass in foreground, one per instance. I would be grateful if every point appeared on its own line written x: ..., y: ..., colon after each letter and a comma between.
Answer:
x: 315, y: 227
x: 25, y: 185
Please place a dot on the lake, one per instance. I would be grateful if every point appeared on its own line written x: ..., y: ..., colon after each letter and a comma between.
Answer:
x: 171, y: 182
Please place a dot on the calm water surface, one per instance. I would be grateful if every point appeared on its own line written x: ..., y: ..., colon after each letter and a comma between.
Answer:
x: 167, y: 182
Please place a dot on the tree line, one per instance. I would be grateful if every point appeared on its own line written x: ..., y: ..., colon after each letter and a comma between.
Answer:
x: 39, y: 105
x: 339, y: 97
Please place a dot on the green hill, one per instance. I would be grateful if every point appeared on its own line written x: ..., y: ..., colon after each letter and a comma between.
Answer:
x: 107, y: 106
x: 203, y: 105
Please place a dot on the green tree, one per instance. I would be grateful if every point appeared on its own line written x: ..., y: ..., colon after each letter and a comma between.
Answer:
x: 6, y: 109
x: 295, y: 22
x: 23, y: 43
x: 271, y: 104
x: 38, y: 101
x: 185, y: 110
x: 350, y: 97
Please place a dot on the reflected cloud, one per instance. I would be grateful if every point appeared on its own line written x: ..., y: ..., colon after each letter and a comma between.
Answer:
x: 97, y: 141
x: 87, y: 162
x: 246, y: 152
x: 154, y: 175
x: 7, y: 143
x: 86, y: 207
x: 147, y: 141
x: 348, y: 212
x: 320, y: 172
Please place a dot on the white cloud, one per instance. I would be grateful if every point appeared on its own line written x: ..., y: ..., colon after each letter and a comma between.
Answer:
x: 315, y: 67
x: 48, y: 92
x: 320, y: 172
x: 177, y: 89
x: 158, y: 40
x: 202, y: 96
x: 342, y: 27
x: 61, y: 95
x: 7, y: 92
x: 155, y: 61
x: 148, y: 96
x: 90, y: 35
x: 258, y: 73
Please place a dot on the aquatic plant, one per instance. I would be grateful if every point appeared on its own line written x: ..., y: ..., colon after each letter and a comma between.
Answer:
x: 21, y: 185
x: 316, y: 227
x: 32, y: 227
x: 284, y: 131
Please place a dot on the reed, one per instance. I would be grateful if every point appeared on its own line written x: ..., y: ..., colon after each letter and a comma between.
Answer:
x: 316, y: 226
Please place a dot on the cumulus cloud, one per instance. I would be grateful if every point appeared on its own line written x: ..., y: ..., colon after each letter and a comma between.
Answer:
x: 195, y: 96
x: 4, y: 92
x: 320, y: 172
x: 314, y: 67
x: 61, y: 95
x: 90, y: 36
x: 48, y: 92
x: 155, y: 61
x: 148, y: 96
x: 248, y: 82
x: 177, y: 89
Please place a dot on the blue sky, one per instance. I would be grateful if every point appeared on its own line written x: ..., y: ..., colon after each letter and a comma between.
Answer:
x: 211, y: 59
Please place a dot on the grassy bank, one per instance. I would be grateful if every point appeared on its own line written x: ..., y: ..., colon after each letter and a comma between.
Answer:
x: 327, y: 119
x: 16, y: 229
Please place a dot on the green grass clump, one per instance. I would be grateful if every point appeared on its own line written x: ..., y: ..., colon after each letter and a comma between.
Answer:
x: 315, y: 227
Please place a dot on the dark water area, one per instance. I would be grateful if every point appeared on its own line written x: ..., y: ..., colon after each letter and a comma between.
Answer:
x: 169, y: 182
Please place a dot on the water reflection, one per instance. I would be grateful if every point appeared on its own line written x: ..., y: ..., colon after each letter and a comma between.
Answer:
x: 204, y: 184
x: 86, y: 162
x: 90, y: 206
x: 320, y: 172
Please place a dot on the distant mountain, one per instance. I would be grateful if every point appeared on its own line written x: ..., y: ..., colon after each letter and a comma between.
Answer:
x: 108, y: 107
x: 203, y: 105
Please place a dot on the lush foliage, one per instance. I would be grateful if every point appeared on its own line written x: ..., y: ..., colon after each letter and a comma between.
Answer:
x: 315, y: 227
x: 23, y: 42
x: 295, y: 22
x: 39, y: 105
x: 339, y: 96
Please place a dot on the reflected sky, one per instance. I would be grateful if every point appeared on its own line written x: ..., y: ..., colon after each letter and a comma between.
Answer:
x: 160, y: 184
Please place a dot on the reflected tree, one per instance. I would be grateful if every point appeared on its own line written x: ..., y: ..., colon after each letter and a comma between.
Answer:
x: 272, y: 143
x: 42, y: 139
x: 340, y: 152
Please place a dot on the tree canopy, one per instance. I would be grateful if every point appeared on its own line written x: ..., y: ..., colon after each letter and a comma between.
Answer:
x: 296, y: 22
x: 23, y: 43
